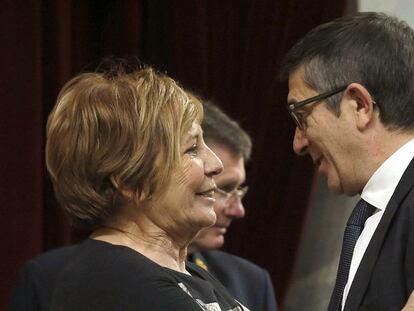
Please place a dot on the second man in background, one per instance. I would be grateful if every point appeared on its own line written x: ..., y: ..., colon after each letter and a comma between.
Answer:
x: 247, y: 282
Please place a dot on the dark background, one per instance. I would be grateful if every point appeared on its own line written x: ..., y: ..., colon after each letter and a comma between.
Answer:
x: 229, y: 51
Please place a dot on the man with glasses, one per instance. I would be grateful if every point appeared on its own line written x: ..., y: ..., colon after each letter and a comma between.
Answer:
x: 351, y: 96
x: 247, y: 282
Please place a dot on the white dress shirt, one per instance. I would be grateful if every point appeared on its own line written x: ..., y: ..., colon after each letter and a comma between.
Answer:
x: 377, y: 192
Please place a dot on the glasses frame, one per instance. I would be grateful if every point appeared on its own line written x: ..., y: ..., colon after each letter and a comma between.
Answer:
x: 238, y: 192
x: 294, y: 106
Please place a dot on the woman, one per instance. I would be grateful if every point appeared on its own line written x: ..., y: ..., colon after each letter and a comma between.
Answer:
x: 127, y: 159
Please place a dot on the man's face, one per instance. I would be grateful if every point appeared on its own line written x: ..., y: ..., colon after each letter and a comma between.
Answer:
x: 329, y: 140
x: 232, y: 176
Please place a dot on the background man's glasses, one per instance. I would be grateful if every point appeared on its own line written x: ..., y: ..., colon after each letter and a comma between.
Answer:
x: 225, y: 196
x: 298, y: 117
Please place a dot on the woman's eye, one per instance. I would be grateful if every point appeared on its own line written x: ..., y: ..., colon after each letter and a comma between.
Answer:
x: 193, y: 150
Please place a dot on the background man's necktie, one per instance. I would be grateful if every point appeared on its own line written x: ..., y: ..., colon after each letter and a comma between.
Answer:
x: 353, y: 229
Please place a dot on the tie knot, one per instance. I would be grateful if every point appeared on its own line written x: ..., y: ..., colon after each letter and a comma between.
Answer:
x: 360, y: 214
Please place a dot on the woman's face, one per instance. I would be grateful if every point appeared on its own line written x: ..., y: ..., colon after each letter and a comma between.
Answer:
x: 188, y: 203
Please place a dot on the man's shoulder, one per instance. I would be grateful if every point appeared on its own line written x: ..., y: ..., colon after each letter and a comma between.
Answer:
x: 245, y: 280
x: 230, y: 261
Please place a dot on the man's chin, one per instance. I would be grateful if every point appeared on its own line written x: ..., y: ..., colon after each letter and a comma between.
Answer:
x: 334, y: 185
x: 207, y: 243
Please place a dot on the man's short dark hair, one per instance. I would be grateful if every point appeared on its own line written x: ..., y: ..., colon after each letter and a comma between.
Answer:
x: 373, y: 49
x: 221, y: 129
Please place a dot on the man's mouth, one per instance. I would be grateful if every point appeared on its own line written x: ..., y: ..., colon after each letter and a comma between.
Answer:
x: 221, y: 225
x: 221, y: 228
x: 318, y: 161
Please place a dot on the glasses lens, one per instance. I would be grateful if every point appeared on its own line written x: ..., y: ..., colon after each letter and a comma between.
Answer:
x: 221, y: 194
x: 225, y: 196
x: 241, y: 192
x: 297, y: 120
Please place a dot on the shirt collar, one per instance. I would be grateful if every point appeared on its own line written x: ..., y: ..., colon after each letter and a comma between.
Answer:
x: 381, y: 185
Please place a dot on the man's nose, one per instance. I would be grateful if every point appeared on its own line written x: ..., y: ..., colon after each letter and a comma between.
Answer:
x: 235, y: 208
x: 212, y: 164
x: 300, y: 142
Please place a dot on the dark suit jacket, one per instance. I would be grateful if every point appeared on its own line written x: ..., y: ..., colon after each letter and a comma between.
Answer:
x: 385, y: 277
x: 247, y: 282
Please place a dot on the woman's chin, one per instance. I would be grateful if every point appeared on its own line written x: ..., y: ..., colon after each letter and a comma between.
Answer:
x: 206, y: 215
x: 208, y: 222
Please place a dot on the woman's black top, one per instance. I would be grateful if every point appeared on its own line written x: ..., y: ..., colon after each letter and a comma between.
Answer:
x: 103, y: 276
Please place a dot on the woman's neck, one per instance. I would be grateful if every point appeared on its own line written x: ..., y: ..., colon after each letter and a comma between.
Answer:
x: 150, y: 241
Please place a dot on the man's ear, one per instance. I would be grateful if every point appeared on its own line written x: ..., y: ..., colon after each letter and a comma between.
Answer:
x: 363, y: 105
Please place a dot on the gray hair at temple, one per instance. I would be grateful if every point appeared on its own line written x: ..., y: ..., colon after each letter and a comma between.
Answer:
x: 221, y: 129
x: 373, y: 49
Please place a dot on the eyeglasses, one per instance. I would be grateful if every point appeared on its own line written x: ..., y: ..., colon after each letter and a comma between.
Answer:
x: 298, y: 118
x: 225, y: 196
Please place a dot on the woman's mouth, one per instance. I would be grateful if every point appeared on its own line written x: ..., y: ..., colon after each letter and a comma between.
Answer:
x: 208, y: 193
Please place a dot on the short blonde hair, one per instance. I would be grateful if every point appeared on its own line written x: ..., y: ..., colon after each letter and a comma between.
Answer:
x: 126, y: 126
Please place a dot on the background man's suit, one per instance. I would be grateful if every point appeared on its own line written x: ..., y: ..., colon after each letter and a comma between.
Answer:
x: 247, y: 282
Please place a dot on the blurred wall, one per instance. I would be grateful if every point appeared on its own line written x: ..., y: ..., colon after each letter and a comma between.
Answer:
x: 403, y: 9
x: 315, y: 273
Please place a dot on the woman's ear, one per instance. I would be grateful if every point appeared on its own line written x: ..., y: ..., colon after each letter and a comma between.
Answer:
x: 124, y: 191
x: 363, y: 105
x: 128, y: 193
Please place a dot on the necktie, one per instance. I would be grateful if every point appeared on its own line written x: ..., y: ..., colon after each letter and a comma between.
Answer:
x: 353, y: 229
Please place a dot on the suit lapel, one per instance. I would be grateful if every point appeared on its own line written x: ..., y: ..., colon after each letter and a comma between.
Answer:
x: 366, y: 267
x: 198, y: 259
